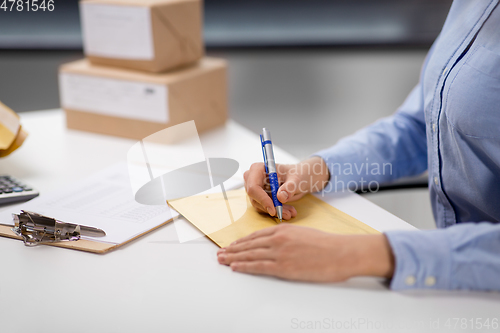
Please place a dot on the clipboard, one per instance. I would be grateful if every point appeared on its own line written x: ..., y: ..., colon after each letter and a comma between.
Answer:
x: 81, y: 244
x: 102, y: 200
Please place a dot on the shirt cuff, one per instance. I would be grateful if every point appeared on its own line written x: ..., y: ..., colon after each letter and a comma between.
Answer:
x: 422, y: 259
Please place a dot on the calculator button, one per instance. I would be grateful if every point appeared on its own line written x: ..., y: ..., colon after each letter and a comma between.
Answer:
x: 7, y: 190
x: 17, y: 189
x: 28, y: 189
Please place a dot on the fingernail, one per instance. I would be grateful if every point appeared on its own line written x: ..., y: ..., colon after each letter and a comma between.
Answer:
x: 234, y: 266
x: 222, y: 258
x: 269, y: 211
x: 221, y: 250
x: 285, y: 194
x: 235, y: 242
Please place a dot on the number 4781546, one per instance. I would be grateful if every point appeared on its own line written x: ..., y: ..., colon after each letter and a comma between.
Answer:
x: 27, y: 5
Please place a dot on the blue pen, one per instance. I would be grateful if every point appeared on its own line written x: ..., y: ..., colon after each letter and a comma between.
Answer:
x: 270, y: 164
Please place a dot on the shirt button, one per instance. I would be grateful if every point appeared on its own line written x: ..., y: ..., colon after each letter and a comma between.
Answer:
x: 434, y: 127
x: 436, y: 180
x: 430, y: 281
x: 410, y: 280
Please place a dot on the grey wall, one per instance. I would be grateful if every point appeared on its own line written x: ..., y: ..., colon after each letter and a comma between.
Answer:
x: 251, y: 23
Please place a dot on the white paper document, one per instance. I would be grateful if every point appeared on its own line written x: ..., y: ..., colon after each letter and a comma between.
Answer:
x: 115, y: 98
x: 117, y: 31
x: 104, y: 200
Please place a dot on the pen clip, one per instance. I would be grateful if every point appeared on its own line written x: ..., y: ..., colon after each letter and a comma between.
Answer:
x: 264, y: 153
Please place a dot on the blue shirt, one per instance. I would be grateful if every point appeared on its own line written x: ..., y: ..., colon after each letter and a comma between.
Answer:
x: 450, y: 126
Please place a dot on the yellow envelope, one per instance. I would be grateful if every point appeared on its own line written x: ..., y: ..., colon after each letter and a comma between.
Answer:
x: 12, y: 135
x: 18, y: 141
x: 9, y: 126
x: 210, y: 214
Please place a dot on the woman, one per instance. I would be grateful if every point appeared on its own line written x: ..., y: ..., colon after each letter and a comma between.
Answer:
x: 448, y: 125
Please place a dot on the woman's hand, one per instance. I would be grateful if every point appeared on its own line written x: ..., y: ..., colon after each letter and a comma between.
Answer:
x: 304, y: 254
x: 297, y: 179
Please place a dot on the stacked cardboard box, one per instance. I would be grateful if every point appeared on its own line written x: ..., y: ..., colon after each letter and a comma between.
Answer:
x: 145, y: 70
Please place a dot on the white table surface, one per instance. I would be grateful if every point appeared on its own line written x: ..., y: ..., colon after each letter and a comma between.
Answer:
x: 156, y: 284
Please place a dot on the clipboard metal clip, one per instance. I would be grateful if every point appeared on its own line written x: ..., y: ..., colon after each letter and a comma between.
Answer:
x: 37, y: 229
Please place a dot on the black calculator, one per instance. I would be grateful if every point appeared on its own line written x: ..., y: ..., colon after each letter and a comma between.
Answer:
x: 13, y: 190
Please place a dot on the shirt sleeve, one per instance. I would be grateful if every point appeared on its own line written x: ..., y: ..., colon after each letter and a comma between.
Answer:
x: 463, y: 256
x: 391, y: 148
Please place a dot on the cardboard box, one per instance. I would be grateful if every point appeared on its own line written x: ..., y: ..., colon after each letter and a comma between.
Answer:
x: 148, y: 35
x: 134, y: 104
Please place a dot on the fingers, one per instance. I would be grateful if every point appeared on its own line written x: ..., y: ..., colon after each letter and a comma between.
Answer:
x: 254, y: 182
x: 252, y: 247
x: 289, y: 212
x: 226, y: 258
x: 258, y: 206
x: 255, y: 179
x: 265, y: 267
x: 292, y: 189
x: 259, y: 261
x: 253, y: 254
x: 257, y: 243
x: 259, y: 233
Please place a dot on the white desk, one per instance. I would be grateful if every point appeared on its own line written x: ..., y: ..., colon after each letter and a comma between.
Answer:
x: 156, y: 284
